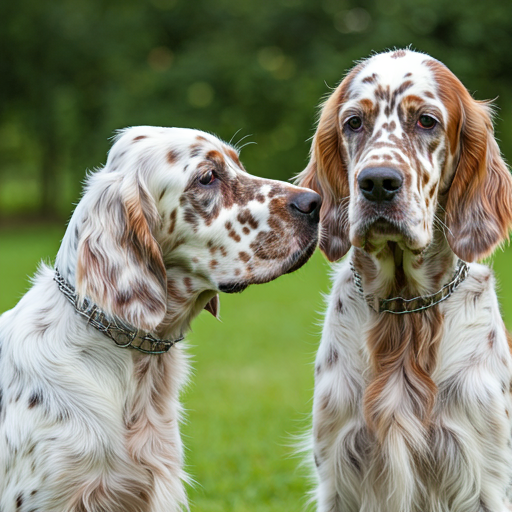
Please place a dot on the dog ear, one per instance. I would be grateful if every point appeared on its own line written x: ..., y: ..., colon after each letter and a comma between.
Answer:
x: 119, y: 264
x: 479, y: 205
x: 327, y: 175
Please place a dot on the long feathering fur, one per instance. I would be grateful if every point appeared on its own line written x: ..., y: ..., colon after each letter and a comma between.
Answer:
x: 327, y: 175
x: 403, y: 355
x: 412, y: 413
x: 479, y: 206
x: 85, y: 425
x: 127, y: 278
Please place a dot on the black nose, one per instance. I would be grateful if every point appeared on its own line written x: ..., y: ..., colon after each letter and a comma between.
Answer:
x: 379, y: 184
x: 307, y: 203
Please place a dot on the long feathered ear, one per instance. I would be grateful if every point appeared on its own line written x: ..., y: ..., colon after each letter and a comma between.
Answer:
x: 120, y: 265
x: 479, y: 206
x: 326, y: 174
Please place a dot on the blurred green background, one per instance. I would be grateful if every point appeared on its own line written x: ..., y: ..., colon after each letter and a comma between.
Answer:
x: 72, y: 72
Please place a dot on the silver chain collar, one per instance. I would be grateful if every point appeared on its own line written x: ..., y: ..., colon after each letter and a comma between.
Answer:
x: 123, y: 335
x: 400, y: 306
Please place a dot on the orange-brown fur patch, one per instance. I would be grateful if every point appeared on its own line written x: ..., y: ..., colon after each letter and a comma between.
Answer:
x: 217, y: 157
x: 233, y: 155
x: 187, y: 281
x: 403, y: 347
x: 172, y: 157
x: 232, y: 233
x: 173, y: 220
x: 479, y: 206
x: 246, y: 217
x: 244, y: 256
x: 370, y: 79
x: 398, y: 54
x: 140, y: 237
x: 196, y: 149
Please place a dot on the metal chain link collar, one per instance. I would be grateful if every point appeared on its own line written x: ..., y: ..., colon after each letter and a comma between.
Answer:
x: 400, y: 306
x: 123, y: 335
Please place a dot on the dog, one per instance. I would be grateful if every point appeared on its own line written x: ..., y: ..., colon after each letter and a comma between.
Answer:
x: 90, y: 364
x: 412, y: 396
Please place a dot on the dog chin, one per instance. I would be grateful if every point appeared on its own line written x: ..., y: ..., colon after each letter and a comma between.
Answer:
x: 293, y: 263
x: 300, y: 257
x: 372, y: 236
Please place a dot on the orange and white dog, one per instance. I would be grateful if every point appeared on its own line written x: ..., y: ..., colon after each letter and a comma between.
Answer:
x: 90, y: 367
x: 412, y: 397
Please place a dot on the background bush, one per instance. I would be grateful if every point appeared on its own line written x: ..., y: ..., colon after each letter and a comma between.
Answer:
x: 74, y: 71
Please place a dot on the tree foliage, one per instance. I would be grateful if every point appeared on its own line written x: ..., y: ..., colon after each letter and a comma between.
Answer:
x: 75, y: 71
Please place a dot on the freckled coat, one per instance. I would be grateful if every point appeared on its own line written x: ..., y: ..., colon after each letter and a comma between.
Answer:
x: 411, y: 412
x: 171, y: 220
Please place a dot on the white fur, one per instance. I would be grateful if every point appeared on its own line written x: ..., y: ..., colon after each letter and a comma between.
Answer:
x: 473, y: 403
x: 411, y: 413
x: 86, y: 426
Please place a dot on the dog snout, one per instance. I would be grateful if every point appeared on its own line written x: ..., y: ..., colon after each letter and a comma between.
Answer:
x: 306, y: 203
x: 380, y: 184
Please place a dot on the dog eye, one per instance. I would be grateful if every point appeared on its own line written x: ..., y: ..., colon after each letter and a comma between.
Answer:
x: 426, y: 122
x: 207, y: 178
x: 355, y: 123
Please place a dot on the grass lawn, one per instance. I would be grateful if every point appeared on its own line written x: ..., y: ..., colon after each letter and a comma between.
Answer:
x: 252, y: 385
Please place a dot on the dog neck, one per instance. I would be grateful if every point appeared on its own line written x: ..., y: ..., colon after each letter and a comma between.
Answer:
x: 187, y: 295
x: 188, y: 292
x: 395, y: 271
x: 403, y: 348
x: 123, y: 335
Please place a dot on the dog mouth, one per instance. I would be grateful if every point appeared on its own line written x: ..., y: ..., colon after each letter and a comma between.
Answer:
x: 293, y: 263
x: 237, y: 287
x: 383, y: 227
x: 380, y: 230
x: 301, y: 257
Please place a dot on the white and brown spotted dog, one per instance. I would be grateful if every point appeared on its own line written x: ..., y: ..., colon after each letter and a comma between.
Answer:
x: 172, y: 219
x: 411, y: 409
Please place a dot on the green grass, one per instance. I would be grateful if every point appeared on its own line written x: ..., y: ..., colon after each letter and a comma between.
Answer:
x: 251, y: 388
x: 252, y: 384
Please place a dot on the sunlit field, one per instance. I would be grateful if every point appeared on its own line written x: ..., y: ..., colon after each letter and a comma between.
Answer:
x: 250, y: 392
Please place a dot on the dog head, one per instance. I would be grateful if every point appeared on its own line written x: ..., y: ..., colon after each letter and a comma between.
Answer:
x: 172, y: 219
x: 402, y: 148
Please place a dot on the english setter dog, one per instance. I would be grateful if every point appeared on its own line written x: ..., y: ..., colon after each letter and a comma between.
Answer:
x: 90, y: 374
x: 412, y: 396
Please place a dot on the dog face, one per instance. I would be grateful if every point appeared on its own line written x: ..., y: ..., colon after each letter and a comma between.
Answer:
x: 392, y: 131
x: 238, y: 229
x: 398, y: 143
x: 174, y: 218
